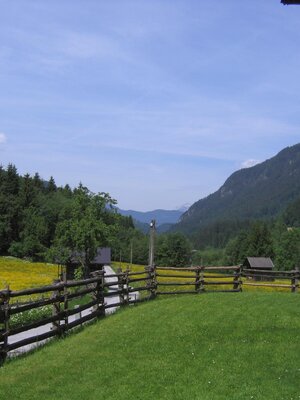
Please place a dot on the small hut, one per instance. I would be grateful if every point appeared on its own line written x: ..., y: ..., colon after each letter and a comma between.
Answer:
x: 259, y: 268
x: 102, y: 257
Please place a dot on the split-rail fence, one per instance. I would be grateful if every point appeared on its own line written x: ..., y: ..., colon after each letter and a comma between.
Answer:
x: 153, y: 282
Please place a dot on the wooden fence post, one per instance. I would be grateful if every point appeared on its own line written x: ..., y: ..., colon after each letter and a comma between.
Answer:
x: 56, y: 309
x: 126, y: 281
x: 121, y: 285
x: 99, y: 293
x: 154, y: 281
x: 4, y: 319
x: 201, y: 276
x: 66, y: 302
x: 197, y: 279
x: 240, y: 278
x: 237, y: 280
x: 151, y: 281
x: 295, y: 280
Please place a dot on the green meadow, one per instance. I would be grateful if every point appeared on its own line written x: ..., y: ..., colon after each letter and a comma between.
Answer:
x: 206, y: 347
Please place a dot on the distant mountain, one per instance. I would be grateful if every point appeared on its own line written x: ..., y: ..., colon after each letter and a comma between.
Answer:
x: 145, y: 228
x: 184, y: 207
x: 142, y: 226
x: 260, y: 192
x: 164, y: 228
x: 161, y: 216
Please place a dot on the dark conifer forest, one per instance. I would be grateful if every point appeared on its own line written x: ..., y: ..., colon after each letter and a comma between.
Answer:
x: 42, y: 221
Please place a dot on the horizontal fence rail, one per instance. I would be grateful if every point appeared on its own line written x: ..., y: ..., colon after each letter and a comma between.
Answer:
x: 103, y: 292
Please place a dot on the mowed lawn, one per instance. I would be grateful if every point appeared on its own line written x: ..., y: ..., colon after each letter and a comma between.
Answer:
x: 211, y: 346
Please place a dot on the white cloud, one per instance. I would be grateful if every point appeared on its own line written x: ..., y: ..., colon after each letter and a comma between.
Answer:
x: 250, y: 163
x: 89, y: 46
x: 2, y: 138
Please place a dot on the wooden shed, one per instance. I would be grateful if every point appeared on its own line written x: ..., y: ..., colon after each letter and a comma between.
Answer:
x: 102, y: 257
x: 259, y: 268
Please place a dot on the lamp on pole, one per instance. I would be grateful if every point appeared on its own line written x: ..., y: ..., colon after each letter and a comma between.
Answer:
x: 151, y: 243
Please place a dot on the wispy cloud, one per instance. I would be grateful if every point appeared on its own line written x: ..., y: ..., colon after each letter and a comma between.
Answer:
x: 2, y: 138
x: 89, y: 46
x: 250, y: 163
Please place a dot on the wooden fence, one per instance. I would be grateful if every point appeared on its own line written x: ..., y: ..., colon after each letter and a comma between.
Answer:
x: 198, y: 279
x: 96, y: 291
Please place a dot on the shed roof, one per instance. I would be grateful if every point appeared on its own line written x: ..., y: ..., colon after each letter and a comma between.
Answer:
x: 103, y: 256
x: 259, y: 262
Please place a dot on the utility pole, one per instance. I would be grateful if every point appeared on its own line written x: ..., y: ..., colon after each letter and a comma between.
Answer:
x: 151, y: 243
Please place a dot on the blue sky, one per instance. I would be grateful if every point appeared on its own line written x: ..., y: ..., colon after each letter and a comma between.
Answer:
x: 155, y: 102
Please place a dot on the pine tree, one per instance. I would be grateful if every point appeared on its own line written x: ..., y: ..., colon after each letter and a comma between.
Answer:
x: 51, y: 187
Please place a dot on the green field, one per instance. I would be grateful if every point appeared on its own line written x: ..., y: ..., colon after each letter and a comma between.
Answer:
x: 20, y: 274
x: 211, y: 346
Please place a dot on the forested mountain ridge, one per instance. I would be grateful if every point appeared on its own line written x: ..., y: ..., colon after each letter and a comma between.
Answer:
x: 161, y: 216
x: 260, y: 192
x: 291, y: 216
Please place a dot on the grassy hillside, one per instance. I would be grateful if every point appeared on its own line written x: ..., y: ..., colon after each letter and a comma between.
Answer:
x: 218, y: 346
x: 20, y: 274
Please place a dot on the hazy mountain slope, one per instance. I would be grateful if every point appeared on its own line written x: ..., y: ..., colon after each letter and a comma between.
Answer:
x: 262, y: 191
x: 161, y: 216
x: 164, y: 228
x: 142, y: 226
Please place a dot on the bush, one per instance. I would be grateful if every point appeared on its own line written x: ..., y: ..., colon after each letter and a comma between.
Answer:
x: 29, y: 316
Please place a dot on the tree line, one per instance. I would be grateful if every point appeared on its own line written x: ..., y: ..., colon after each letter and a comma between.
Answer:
x: 42, y: 221
x: 273, y: 239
